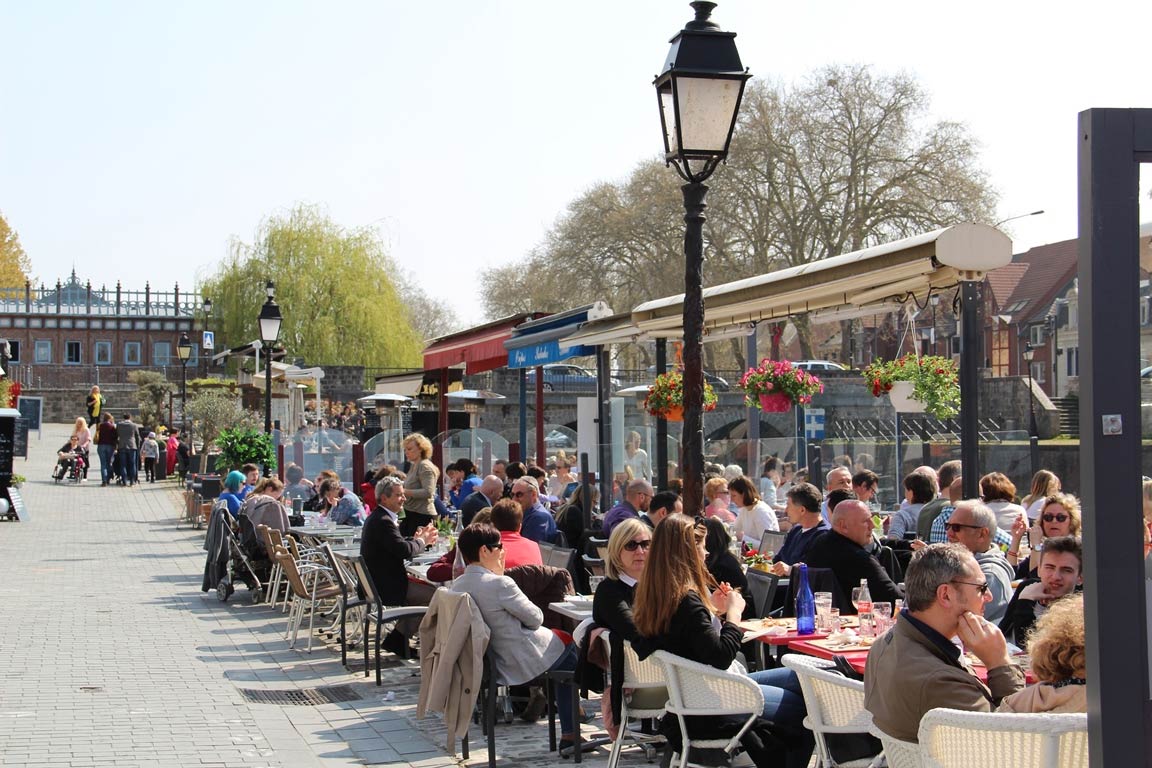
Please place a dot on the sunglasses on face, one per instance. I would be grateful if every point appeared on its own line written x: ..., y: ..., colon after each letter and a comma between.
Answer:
x: 632, y: 546
x: 981, y: 588
x: 957, y: 527
x: 1057, y: 518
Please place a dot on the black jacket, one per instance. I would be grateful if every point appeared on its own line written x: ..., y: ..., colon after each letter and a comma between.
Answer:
x: 691, y: 635
x: 612, y: 609
x: 475, y: 502
x: 850, y: 563
x: 384, y: 551
x: 727, y: 568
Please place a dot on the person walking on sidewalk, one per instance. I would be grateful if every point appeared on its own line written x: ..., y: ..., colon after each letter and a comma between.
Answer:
x: 106, y: 448
x: 127, y: 448
x: 150, y: 451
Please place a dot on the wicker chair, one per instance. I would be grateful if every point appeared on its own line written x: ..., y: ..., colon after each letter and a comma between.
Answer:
x: 835, y: 704
x: 304, y: 583
x: 637, y: 675
x: 951, y: 738
x: 696, y: 689
x: 898, y: 754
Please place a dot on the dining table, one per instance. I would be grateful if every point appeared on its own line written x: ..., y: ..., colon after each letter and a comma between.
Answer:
x: 575, y: 607
x: 856, y: 654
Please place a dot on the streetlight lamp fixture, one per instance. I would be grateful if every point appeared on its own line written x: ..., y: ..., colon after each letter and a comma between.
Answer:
x: 699, y: 92
x: 270, y: 319
x: 184, y: 352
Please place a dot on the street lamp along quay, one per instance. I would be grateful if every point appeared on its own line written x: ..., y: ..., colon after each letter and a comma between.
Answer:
x: 184, y: 352
x: 270, y: 320
x: 699, y: 92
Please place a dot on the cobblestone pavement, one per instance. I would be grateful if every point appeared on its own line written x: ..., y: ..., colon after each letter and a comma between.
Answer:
x: 111, y: 655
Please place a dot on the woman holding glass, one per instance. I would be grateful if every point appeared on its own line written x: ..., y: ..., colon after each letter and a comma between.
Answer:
x: 1060, y: 516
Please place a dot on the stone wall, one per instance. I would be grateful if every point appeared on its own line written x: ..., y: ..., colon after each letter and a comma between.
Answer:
x: 344, y: 383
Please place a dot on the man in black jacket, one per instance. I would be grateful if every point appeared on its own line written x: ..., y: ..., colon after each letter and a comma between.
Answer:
x: 385, y: 551
x: 844, y: 551
x: 489, y: 492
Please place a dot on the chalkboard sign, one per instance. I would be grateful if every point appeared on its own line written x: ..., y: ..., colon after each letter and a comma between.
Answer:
x: 16, y: 507
x: 7, y: 429
x: 32, y: 410
x: 20, y: 438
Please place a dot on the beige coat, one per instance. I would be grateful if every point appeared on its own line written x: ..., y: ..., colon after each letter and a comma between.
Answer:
x: 453, y: 639
x: 1045, y: 698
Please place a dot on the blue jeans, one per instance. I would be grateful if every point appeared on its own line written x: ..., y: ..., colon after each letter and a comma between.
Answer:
x: 567, y: 661
x: 784, y: 704
x: 129, y: 461
x: 106, y: 454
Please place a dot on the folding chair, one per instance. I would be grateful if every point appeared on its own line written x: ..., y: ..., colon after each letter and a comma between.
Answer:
x: 375, y: 612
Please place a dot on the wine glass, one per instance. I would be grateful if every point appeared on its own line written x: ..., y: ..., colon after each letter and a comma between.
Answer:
x: 856, y: 598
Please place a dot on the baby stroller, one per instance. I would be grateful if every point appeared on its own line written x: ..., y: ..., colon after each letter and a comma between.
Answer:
x: 70, y: 468
x: 233, y: 556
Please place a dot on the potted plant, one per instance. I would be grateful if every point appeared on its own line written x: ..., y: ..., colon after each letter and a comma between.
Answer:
x: 775, y: 386
x: 665, y: 397
x: 242, y: 445
x: 928, y: 384
x: 760, y: 562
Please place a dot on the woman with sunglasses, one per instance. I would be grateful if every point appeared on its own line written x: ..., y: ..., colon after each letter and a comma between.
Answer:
x: 1060, y: 516
x: 675, y: 612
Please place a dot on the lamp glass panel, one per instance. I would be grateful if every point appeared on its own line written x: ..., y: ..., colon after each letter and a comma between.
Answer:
x: 270, y: 329
x: 707, y: 107
x: 668, y: 119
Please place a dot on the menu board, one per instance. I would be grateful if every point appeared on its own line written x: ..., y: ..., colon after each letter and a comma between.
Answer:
x: 20, y: 438
x: 32, y: 410
x: 7, y: 445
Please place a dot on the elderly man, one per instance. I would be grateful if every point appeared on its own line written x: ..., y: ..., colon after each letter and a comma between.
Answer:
x: 662, y: 504
x: 803, y: 510
x: 845, y: 550
x: 1060, y: 573
x: 838, y: 479
x: 490, y: 490
x: 916, y: 666
x: 971, y: 526
x: 637, y: 497
x: 385, y: 551
x: 538, y: 525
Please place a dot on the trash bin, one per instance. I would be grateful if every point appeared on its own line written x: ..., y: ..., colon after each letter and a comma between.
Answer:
x: 161, y: 472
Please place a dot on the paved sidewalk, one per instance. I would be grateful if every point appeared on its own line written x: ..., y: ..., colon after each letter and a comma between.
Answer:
x: 113, y: 656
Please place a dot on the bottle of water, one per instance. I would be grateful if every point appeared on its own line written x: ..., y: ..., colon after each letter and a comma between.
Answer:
x: 805, y: 605
x: 864, y: 610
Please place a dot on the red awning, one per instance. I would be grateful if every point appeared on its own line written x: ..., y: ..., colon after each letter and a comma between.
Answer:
x: 479, y: 349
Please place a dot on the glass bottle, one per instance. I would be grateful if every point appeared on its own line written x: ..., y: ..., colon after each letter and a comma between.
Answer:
x: 864, y: 610
x: 805, y: 605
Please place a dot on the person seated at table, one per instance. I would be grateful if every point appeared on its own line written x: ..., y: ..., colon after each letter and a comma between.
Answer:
x: 844, y: 550
x: 316, y: 503
x: 1060, y: 516
x: 465, y: 481
x: 865, y: 483
x: 915, y: 666
x: 486, y: 494
x: 803, y: 510
x: 385, y: 552
x: 341, y: 507
x: 720, y: 563
x: 263, y: 505
x: 718, y: 500
x: 1060, y: 573
x: 999, y: 493
x: 754, y: 516
x: 663, y: 504
x: 570, y: 517
x: 1044, y: 484
x: 451, y: 563
x: 919, y: 489
x: 233, y: 482
x: 674, y: 611
x: 947, y: 474
x: 1059, y: 662
x: 297, y: 486
x: 507, y: 517
x: 522, y: 647
x: 971, y: 525
x: 538, y: 523
x: 637, y: 495
x: 67, y: 458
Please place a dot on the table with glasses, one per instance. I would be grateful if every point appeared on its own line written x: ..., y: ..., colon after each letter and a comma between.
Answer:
x: 855, y: 652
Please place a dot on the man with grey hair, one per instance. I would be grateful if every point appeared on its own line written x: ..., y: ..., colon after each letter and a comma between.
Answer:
x: 971, y: 525
x: 538, y: 525
x: 837, y: 479
x: 637, y: 496
x: 490, y: 490
x: 916, y: 666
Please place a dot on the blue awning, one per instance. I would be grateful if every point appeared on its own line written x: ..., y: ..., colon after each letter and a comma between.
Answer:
x: 537, y: 342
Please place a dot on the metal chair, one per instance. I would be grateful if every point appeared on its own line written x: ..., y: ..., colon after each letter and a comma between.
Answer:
x: 375, y: 612
x: 310, y: 593
x: 349, y: 598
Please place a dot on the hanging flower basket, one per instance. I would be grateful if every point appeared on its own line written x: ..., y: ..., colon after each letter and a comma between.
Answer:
x: 665, y: 397
x: 775, y: 386
x: 928, y: 384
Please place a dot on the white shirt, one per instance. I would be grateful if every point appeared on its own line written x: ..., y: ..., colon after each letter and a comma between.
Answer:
x: 752, y: 521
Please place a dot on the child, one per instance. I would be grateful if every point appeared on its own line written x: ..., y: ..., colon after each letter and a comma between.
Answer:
x: 150, y: 451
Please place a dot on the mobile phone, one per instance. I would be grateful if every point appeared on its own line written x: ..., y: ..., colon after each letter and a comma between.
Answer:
x: 910, y: 535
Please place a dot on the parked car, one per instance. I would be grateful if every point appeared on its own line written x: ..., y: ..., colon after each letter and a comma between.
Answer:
x: 718, y: 383
x: 564, y: 377
x: 815, y: 366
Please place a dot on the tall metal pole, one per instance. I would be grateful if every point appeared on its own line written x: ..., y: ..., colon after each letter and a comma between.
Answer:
x: 971, y: 352
x: 753, y: 417
x: 661, y: 451
x: 184, y: 399
x: 1033, y: 431
x: 268, y: 391
x: 692, y: 439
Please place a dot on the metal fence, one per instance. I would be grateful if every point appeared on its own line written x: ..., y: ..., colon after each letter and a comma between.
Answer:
x: 44, y: 376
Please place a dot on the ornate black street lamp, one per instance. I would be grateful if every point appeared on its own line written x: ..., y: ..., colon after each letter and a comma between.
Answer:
x: 207, y: 306
x: 270, y: 320
x: 699, y: 92
x: 184, y: 351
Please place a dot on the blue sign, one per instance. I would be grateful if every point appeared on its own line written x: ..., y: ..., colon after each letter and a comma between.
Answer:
x: 813, y: 423
x: 543, y: 353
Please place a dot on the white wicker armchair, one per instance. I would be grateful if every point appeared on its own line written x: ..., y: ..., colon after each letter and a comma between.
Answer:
x: 647, y: 674
x: 696, y: 689
x: 897, y: 753
x: 951, y: 738
x: 835, y: 704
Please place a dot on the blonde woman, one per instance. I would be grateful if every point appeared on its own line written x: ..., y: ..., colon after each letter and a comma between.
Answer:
x: 419, y: 486
x: 84, y: 439
x: 636, y: 458
x: 1044, y: 484
x: 1059, y: 662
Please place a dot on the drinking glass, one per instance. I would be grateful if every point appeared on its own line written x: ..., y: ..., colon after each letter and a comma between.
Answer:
x: 834, y: 620
x: 882, y: 617
x: 593, y: 582
x: 856, y: 597
x: 823, y: 607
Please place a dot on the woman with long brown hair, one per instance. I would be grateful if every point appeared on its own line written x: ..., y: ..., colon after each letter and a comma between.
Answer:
x: 675, y: 612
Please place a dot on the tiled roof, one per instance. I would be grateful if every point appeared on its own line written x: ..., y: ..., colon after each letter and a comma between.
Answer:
x: 1002, y: 282
x: 1050, y: 270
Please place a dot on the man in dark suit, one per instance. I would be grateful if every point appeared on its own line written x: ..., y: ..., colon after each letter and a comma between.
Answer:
x: 844, y: 550
x: 384, y: 551
x: 491, y: 488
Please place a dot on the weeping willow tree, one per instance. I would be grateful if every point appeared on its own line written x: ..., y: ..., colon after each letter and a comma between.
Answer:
x: 334, y: 287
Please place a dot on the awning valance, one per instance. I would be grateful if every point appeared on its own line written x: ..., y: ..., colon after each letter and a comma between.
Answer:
x: 542, y: 341
x: 478, y: 349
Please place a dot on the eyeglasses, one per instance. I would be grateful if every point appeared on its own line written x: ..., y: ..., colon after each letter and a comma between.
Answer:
x: 518, y: 494
x: 981, y: 588
x: 494, y: 547
x: 1058, y: 518
x: 956, y: 527
x: 632, y: 546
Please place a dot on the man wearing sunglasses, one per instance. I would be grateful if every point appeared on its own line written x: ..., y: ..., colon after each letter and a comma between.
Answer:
x: 917, y: 666
x: 971, y: 526
x: 637, y: 497
x: 538, y: 524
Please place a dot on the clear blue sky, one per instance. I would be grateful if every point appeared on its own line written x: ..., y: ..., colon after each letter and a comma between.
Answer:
x: 137, y: 138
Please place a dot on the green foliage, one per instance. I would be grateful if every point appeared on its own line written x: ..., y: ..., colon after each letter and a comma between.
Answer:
x: 245, y: 445
x: 215, y: 410
x: 18, y: 480
x: 6, y: 393
x: 935, y: 380
x: 667, y: 391
x: 15, y: 267
x: 334, y: 286
x: 152, y: 390
x: 779, y: 377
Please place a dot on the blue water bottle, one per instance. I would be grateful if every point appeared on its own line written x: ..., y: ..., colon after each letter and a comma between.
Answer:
x: 805, y: 605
